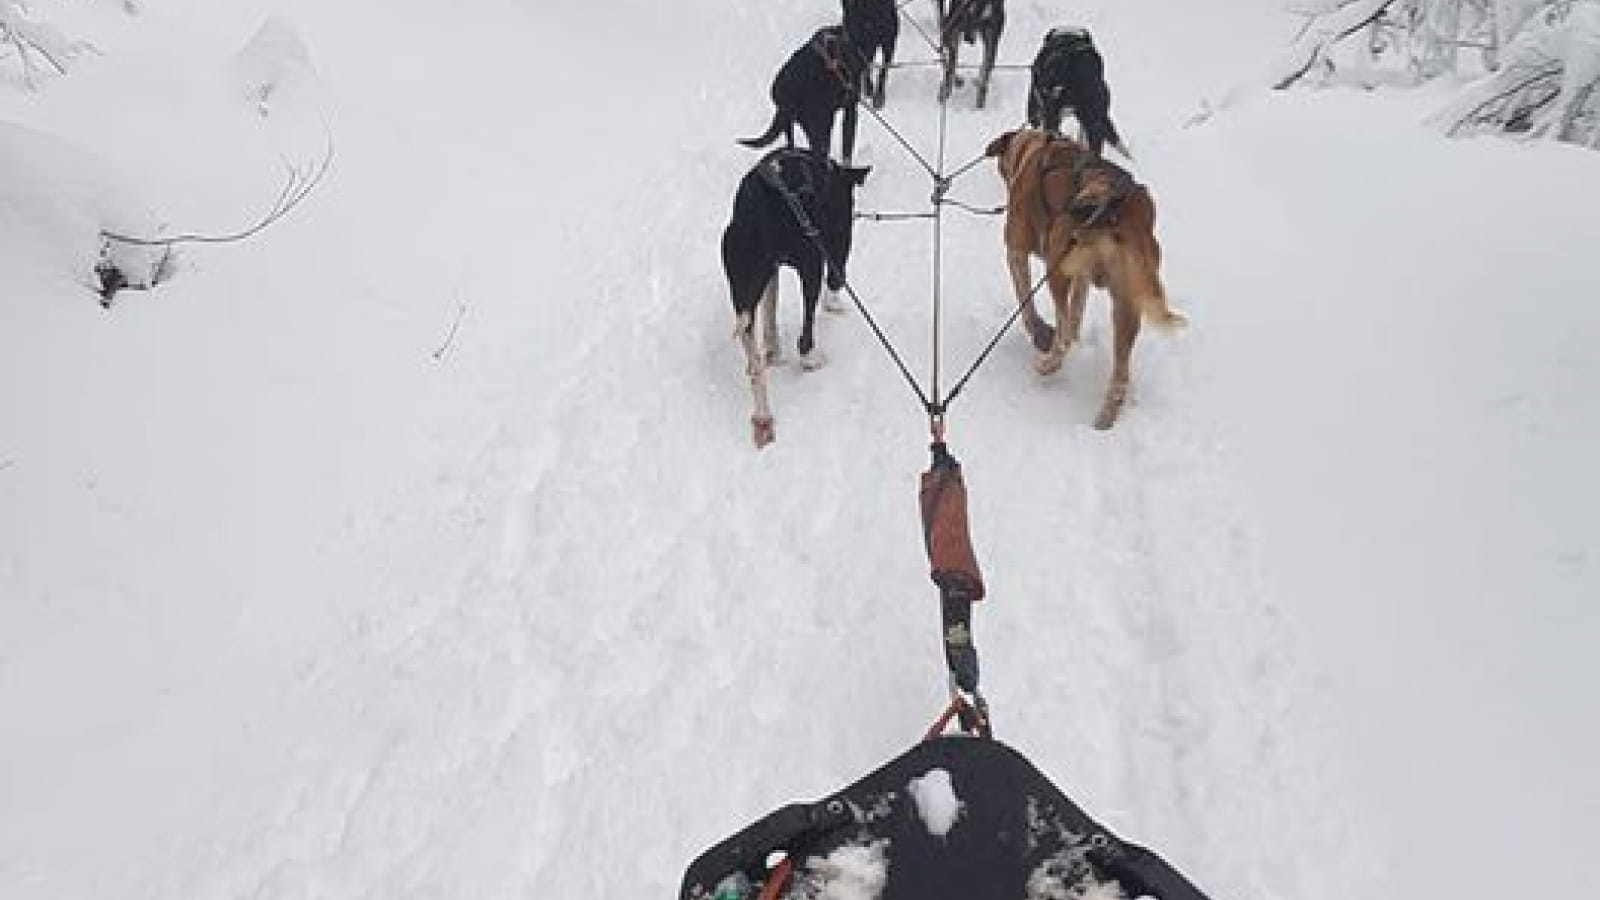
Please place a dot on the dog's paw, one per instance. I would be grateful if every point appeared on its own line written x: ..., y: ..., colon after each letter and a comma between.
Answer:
x: 762, y: 430
x: 1049, y: 363
x: 1111, y: 407
x: 813, y: 361
x: 1043, y: 336
x: 832, y: 303
x: 772, y: 356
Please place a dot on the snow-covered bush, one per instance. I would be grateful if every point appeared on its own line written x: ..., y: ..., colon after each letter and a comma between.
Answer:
x: 272, y: 64
x: 57, y: 200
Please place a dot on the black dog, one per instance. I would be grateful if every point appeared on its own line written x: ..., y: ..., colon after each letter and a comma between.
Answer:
x: 1069, y: 73
x: 795, y: 208
x: 873, y: 26
x: 819, y: 79
x: 970, y: 20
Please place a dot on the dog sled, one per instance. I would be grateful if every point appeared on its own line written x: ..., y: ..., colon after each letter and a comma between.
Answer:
x: 957, y: 816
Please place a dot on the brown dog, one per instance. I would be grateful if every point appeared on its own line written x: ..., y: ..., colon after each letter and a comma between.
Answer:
x: 1091, y: 223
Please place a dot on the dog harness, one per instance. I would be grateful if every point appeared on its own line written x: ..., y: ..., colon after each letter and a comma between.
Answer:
x: 1083, y: 165
x: 830, y: 44
x: 803, y: 194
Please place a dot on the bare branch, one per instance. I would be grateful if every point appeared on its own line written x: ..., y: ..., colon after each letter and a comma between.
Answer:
x: 461, y: 310
x: 297, y: 187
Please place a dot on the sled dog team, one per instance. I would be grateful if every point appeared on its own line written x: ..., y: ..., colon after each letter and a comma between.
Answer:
x: 1086, y: 218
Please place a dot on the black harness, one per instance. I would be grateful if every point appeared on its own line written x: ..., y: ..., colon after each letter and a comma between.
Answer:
x: 1081, y: 164
x: 833, y: 46
x: 798, y: 184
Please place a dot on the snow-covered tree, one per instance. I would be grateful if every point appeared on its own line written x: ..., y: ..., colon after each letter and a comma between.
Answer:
x: 1423, y: 38
x: 1546, y: 83
x: 30, y: 37
x: 1532, y: 65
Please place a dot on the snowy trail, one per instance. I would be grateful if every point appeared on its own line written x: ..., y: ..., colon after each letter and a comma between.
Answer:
x: 610, y: 618
x: 752, y: 567
x: 497, y: 715
x: 533, y: 618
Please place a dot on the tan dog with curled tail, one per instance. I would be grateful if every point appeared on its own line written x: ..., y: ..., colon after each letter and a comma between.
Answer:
x: 1091, y: 223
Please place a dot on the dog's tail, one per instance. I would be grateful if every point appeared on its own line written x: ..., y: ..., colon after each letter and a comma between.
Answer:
x: 1141, y: 258
x: 1149, y: 294
x: 1154, y: 309
x: 780, y: 123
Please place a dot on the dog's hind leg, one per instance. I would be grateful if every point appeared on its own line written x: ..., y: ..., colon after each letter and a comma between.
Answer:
x: 950, y: 50
x: 1038, y: 107
x: 1062, y: 288
x: 1039, y: 331
x: 762, y: 429
x: 881, y: 89
x: 1125, y: 320
x: 833, y: 282
x: 810, y: 287
x: 991, y: 45
x: 772, y: 349
x: 1050, y: 115
x: 819, y: 132
x: 847, y: 140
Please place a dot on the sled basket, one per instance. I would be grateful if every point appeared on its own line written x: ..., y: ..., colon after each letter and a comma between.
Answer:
x: 953, y: 818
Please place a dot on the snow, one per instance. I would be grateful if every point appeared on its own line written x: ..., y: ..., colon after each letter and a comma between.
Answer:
x: 937, y: 803
x: 851, y: 872
x: 291, y: 606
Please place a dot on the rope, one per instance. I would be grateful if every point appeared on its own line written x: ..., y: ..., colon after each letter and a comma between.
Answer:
x: 968, y: 166
x: 943, y: 722
x: 892, y: 216
x: 930, y: 63
x: 975, y: 210
x: 815, y: 236
x: 917, y: 26
x: 972, y: 716
x: 935, y: 405
x: 926, y: 166
x: 995, y: 341
x: 940, y: 186
x: 967, y: 707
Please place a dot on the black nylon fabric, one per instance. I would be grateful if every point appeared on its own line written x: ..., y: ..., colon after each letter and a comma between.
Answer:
x: 1016, y: 833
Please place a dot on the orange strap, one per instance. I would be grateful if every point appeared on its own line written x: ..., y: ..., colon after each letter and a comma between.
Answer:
x: 958, y: 705
x: 777, y: 880
x: 943, y: 722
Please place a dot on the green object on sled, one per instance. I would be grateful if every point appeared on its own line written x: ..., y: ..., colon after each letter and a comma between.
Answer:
x: 734, y: 887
